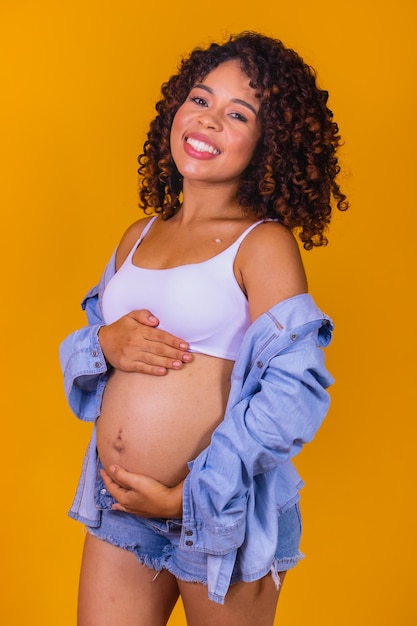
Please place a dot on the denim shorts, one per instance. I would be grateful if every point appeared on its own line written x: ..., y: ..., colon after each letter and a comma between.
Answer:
x: 155, y: 543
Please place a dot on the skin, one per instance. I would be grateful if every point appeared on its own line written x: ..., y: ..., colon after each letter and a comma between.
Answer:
x: 212, y: 119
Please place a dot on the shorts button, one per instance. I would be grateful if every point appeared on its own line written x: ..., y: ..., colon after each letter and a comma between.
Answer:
x: 259, y: 363
x: 293, y: 337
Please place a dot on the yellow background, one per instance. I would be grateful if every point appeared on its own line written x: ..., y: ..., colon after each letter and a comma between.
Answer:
x: 79, y: 81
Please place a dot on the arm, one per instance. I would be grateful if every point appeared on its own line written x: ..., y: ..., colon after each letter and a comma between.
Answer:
x: 82, y: 361
x: 263, y: 429
x: 132, y: 344
x: 282, y: 404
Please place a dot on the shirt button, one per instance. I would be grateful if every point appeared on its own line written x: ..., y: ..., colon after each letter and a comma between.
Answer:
x: 94, y: 353
x: 189, y: 533
x: 259, y: 363
x: 189, y: 543
x: 293, y: 336
x: 103, y: 491
x: 97, y: 364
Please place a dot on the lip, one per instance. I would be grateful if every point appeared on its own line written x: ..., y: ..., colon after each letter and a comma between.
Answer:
x: 212, y: 152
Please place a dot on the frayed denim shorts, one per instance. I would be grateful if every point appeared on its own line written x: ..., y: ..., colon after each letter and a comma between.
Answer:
x: 155, y: 543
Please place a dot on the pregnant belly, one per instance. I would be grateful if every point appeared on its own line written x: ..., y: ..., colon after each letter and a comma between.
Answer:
x: 155, y: 425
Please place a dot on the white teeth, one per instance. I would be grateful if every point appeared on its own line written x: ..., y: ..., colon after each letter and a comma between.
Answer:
x: 200, y: 146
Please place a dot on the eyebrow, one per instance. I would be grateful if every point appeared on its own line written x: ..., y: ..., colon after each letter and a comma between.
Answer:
x: 235, y: 100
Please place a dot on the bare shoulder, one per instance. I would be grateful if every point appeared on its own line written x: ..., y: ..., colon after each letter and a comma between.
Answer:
x: 271, y: 267
x: 129, y: 239
x: 273, y: 234
x: 271, y: 243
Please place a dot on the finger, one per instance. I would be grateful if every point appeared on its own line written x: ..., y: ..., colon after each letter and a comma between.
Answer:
x: 143, y: 316
x: 118, y: 507
x: 157, y: 334
x: 157, y: 363
x: 114, y: 488
x: 124, y: 479
x: 162, y: 357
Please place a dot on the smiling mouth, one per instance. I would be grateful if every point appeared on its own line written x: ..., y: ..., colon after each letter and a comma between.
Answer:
x: 200, y: 146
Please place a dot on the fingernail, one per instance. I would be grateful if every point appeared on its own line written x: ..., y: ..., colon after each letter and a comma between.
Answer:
x: 176, y: 364
x: 183, y: 346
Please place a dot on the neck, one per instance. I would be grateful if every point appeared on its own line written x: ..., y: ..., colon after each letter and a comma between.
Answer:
x: 209, y: 202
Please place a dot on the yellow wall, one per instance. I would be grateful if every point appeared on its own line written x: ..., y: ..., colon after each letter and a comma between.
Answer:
x: 79, y: 83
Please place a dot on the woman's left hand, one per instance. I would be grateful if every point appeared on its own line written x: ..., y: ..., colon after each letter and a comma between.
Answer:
x: 141, y: 495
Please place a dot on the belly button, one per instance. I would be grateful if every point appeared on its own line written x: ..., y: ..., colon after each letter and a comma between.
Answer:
x: 118, y: 445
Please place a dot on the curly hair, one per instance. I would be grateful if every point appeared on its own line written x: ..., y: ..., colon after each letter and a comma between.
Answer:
x: 292, y: 176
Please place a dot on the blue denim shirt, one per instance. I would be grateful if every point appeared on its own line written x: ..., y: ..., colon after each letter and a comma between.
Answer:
x: 240, y: 484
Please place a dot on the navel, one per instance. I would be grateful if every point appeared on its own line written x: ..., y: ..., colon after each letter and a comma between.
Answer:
x: 118, y: 444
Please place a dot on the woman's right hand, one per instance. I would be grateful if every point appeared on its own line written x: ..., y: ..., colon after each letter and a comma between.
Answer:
x: 134, y: 344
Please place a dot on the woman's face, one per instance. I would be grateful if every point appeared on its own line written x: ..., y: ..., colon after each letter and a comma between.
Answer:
x: 215, y: 131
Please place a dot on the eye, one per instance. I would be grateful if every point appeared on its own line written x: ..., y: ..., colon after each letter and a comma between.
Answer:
x: 199, y: 101
x: 238, y: 116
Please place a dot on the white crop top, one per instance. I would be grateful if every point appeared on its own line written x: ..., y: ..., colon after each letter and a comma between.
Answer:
x: 201, y: 303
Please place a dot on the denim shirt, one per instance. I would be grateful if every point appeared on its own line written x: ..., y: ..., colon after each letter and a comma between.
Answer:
x: 240, y: 484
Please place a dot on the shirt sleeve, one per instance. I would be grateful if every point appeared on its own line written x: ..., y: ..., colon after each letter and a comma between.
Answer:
x: 259, y: 433
x: 82, y: 360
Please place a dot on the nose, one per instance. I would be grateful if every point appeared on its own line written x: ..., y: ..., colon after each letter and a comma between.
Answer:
x: 209, y: 120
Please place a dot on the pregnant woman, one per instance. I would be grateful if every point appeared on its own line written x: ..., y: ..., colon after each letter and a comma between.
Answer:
x: 202, y: 365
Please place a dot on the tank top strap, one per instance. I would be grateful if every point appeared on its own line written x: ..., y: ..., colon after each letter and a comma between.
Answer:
x: 142, y: 235
x: 248, y: 230
x: 146, y: 229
